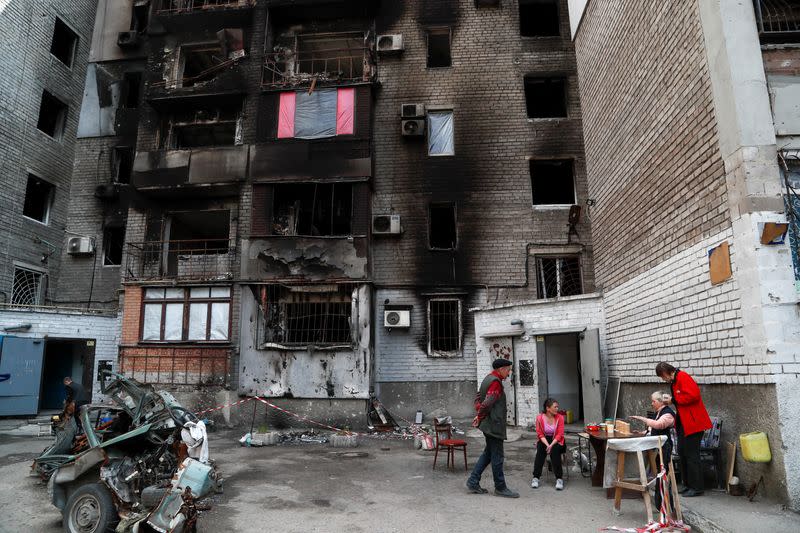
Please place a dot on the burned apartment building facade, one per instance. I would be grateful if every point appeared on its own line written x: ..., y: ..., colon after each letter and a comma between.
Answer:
x: 692, y: 159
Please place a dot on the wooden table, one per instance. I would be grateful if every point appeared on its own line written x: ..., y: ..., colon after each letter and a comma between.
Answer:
x: 598, y: 440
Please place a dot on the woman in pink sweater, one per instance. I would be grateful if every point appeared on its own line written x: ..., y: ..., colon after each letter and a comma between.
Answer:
x: 550, y: 440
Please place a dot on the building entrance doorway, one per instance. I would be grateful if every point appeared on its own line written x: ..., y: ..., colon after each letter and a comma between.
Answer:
x: 65, y: 357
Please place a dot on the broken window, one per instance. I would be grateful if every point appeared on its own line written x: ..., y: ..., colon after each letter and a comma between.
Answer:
x: 132, y: 83
x: 122, y: 163
x: 199, y: 232
x: 315, y: 209
x: 558, y: 276
x: 186, y: 314
x: 140, y: 16
x: 444, y: 327
x: 64, y: 44
x: 197, y: 128
x: 539, y: 18
x: 309, y: 315
x: 439, y: 47
x: 38, y: 199
x: 52, y: 115
x: 545, y: 97
x: 113, y: 240
x: 552, y: 182
x: 442, y: 233
x: 323, y: 113
x: 28, y: 287
x: 325, y: 57
x: 441, y: 133
x: 199, y: 63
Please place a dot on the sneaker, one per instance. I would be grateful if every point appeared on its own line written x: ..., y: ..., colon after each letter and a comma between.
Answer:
x: 535, y: 483
x: 476, y: 489
x: 506, y: 493
x: 559, y: 484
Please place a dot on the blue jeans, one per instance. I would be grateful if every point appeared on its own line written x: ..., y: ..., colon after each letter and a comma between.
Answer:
x: 492, y: 453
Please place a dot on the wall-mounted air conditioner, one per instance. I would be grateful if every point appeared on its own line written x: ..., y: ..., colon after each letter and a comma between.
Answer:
x: 397, y: 319
x: 80, y: 246
x: 386, y: 224
x: 412, y: 110
x: 390, y: 44
x: 414, y: 127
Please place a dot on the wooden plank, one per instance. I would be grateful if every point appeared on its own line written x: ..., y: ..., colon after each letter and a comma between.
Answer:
x: 731, y: 464
x: 675, y: 496
x: 620, y: 475
x: 630, y: 485
x: 648, y: 506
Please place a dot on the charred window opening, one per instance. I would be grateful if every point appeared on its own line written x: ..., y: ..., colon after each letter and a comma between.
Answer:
x: 199, y: 232
x: 545, y: 97
x: 186, y: 314
x: 552, y: 182
x: 140, y: 16
x: 28, y: 287
x: 539, y: 18
x: 558, y: 276
x: 38, y: 199
x: 199, y: 63
x: 309, y: 315
x: 439, y: 48
x: 113, y: 240
x: 314, y: 209
x: 64, y: 44
x: 52, y: 116
x: 444, y: 327
x: 330, y: 53
x: 132, y: 84
x: 442, y: 232
x: 122, y: 163
x: 198, y: 128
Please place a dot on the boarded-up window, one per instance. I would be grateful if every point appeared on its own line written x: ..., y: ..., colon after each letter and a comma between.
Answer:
x: 180, y: 314
x: 558, y: 276
x: 441, y: 133
x: 444, y: 327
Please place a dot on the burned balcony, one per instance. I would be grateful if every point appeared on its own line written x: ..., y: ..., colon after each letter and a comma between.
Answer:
x: 319, y: 59
x: 167, y: 7
x: 171, y: 171
x: 174, y: 14
x: 180, y: 260
x: 778, y: 21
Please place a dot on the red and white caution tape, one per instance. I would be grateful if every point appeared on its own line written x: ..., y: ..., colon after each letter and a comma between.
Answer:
x: 665, y: 521
x: 223, y: 406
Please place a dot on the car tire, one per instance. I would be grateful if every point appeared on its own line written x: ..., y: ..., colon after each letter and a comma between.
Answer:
x: 90, y: 509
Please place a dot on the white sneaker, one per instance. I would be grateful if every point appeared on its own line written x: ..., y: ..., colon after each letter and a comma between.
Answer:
x: 535, y: 483
x: 559, y: 484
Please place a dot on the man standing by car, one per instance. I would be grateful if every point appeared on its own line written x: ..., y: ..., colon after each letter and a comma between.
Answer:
x: 490, y: 403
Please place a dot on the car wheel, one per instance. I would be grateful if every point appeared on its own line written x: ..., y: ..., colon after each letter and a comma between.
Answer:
x: 90, y: 509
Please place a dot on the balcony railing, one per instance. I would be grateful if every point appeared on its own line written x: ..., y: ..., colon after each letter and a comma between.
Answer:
x: 345, y: 65
x: 197, y: 259
x: 171, y: 7
x: 778, y: 21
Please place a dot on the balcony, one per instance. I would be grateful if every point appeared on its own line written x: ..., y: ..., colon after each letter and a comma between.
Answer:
x: 165, y: 171
x: 778, y: 21
x: 173, y: 365
x: 174, y: 14
x: 180, y: 260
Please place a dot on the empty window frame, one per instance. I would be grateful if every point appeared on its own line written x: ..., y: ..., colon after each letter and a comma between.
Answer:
x: 199, y: 63
x: 28, y: 287
x: 545, y: 97
x: 132, y: 85
x: 558, y: 276
x: 444, y: 327
x: 340, y: 54
x: 52, y: 116
x: 140, y: 16
x: 313, y: 209
x: 199, y: 232
x: 439, y: 48
x: 442, y: 227
x: 38, y: 199
x: 186, y: 314
x: 198, y: 128
x: 539, y: 18
x: 122, y: 164
x: 64, y: 44
x: 552, y: 181
x: 441, y: 133
x: 113, y: 241
x: 311, y: 315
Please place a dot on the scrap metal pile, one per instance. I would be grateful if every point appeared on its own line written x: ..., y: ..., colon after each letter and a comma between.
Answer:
x: 138, y: 465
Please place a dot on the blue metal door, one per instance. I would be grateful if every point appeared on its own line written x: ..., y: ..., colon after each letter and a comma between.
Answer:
x: 21, y: 358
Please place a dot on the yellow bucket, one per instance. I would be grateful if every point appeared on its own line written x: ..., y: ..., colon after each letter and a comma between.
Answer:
x: 569, y: 416
x: 755, y: 447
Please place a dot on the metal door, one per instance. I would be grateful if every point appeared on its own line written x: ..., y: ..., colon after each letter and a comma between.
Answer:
x: 21, y: 359
x: 590, y: 375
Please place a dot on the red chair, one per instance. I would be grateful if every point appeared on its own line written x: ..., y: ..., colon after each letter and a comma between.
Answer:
x: 444, y: 439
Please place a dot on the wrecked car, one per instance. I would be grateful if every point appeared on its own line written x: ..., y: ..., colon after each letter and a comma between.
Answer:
x: 138, y: 465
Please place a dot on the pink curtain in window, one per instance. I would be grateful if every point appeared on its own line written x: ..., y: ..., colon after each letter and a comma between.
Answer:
x: 286, y: 115
x: 345, y: 104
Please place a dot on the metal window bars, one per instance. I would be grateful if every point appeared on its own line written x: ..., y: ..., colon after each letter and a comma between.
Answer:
x: 195, y: 259
x: 27, y: 287
x: 558, y: 276
x: 444, y: 327
x: 790, y: 169
x: 186, y: 6
x: 778, y: 20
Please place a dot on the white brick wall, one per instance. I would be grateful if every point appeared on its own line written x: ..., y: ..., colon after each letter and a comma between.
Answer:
x: 68, y: 325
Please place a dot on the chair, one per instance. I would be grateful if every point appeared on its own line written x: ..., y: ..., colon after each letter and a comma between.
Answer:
x: 710, y: 452
x: 444, y: 439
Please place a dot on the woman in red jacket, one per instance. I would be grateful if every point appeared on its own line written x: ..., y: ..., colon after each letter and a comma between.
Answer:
x: 693, y: 420
x: 550, y: 440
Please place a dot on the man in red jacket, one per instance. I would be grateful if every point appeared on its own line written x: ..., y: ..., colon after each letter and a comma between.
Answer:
x: 693, y: 420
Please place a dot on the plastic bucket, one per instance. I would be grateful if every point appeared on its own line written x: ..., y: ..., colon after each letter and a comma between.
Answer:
x: 755, y: 447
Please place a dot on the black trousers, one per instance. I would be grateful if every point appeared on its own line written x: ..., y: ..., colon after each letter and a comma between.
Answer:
x: 689, y: 453
x: 555, y: 459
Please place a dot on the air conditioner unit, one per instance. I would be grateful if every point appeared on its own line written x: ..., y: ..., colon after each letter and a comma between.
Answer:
x: 412, y: 110
x: 80, y: 246
x: 128, y: 39
x: 390, y: 44
x: 413, y: 127
x: 386, y: 224
x: 397, y: 319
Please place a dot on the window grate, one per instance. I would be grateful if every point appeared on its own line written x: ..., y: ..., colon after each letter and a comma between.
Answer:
x: 558, y: 276
x: 444, y: 326
x: 27, y: 289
